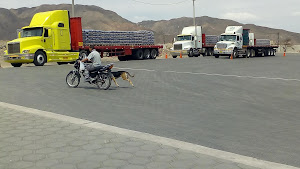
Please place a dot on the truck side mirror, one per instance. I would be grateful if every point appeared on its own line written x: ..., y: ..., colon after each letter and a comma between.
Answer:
x: 175, y: 40
x: 19, y: 35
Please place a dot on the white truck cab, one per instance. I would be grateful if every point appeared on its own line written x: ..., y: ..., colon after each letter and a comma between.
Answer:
x: 189, y: 39
x: 230, y: 41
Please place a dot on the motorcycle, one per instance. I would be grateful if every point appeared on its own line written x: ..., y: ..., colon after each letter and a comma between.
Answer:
x: 101, y: 76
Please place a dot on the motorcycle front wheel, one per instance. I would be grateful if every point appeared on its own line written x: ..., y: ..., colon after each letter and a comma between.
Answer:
x: 73, y: 79
x: 103, y: 81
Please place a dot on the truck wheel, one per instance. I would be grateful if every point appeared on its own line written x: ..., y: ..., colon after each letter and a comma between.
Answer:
x: 123, y: 58
x: 206, y: 52
x: 191, y: 54
x: 174, y: 56
x: 16, y: 64
x: 217, y: 56
x: 39, y: 58
x: 235, y: 54
x: 83, y: 54
x: 252, y: 53
x: 210, y: 52
x: 249, y: 53
x: 146, y: 54
x: 153, y: 54
x: 263, y: 53
x: 139, y: 55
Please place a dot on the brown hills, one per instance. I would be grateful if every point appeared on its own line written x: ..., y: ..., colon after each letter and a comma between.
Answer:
x: 94, y: 17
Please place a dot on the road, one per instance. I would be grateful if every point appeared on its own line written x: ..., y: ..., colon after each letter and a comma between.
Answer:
x: 244, y: 106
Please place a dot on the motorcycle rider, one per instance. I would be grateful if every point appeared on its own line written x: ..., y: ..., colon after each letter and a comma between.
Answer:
x: 93, y: 57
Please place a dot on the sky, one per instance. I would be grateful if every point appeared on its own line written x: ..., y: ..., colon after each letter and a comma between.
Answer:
x: 279, y: 14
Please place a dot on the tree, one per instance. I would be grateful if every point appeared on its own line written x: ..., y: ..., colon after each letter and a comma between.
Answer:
x: 287, y: 43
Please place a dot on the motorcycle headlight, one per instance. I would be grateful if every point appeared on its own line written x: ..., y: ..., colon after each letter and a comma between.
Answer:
x: 26, y: 51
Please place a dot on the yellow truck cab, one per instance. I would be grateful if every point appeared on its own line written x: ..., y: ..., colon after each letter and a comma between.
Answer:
x: 46, y: 39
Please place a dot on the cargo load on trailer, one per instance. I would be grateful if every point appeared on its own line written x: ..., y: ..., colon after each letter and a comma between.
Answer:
x: 98, y: 37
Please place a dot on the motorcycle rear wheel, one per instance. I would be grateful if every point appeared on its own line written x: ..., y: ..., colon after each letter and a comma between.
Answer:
x: 103, y: 81
x: 73, y: 79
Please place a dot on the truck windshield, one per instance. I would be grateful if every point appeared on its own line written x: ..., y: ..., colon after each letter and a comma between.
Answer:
x: 183, y: 38
x: 29, y: 32
x: 228, y: 38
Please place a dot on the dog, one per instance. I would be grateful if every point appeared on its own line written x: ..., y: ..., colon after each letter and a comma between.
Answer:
x: 125, y: 76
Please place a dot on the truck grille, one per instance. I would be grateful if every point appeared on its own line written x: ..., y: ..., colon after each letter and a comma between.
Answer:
x: 177, y: 46
x: 13, y: 48
x: 221, y: 45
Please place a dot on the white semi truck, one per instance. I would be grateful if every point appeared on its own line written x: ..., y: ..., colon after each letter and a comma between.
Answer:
x: 237, y: 41
x: 192, y: 42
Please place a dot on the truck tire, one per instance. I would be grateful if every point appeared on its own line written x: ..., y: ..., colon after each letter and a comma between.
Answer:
x: 249, y: 53
x: 263, y: 53
x: 253, y: 53
x: 139, y: 55
x: 146, y: 54
x: 39, y: 58
x: 174, y: 57
x: 123, y: 58
x: 153, y: 54
x: 206, y: 52
x: 210, y: 52
x: 235, y: 54
x: 83, y: 54
x: 16, y: 64
x: 217, y: 56
x: 191, y: 54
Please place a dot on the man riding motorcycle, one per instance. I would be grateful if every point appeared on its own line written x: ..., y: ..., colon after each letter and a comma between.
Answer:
x: 93, y: 57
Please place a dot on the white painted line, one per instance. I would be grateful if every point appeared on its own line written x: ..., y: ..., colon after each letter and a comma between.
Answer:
x: 156, y: 139
x: 215, y: 74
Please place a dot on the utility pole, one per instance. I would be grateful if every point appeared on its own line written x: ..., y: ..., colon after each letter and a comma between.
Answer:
x: 195, y: 24
x: 73, y: 15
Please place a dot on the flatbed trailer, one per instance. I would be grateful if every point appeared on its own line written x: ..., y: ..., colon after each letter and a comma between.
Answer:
x: 126, y: 52
x: 123, y: 52
x: 249, y: 51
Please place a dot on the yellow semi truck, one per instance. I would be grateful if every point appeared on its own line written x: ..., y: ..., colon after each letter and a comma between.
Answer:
x: 46, y: 39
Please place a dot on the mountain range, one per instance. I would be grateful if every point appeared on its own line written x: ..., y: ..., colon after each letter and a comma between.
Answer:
x: 94, y: 17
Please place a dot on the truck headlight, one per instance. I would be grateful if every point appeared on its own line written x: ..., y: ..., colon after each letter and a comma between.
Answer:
x: 26, y: 51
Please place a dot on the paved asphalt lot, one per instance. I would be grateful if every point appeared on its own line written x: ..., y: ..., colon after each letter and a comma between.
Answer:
x: 245, y: 106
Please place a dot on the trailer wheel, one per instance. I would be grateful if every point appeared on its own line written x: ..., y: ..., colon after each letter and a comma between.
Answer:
x: 16, y: 64
x: 146, y: 54
x: 139, y: 55
x: 263, y: 53
x: 252, y: 53
x: 210, y: 52
x: 39, y: 58
x: 122, y: 58
x: 153, y: 54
